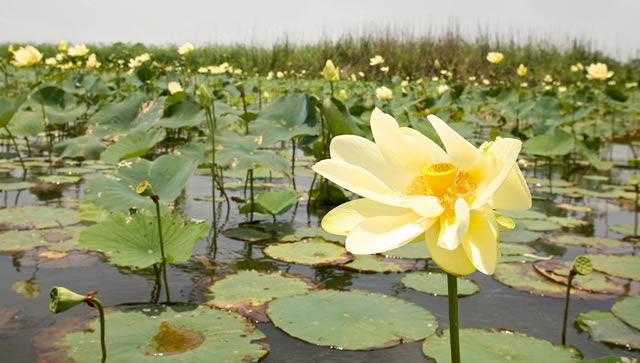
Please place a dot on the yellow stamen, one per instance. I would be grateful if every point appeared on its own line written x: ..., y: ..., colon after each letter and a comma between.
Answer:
x: 440, y: 177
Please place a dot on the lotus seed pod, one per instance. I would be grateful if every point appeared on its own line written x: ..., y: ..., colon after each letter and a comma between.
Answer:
x: 144, y: 188
x: 582, y: 265
x: 62, y: 299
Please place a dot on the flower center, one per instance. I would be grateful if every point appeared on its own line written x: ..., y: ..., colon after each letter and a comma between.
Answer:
x: 445, y: 181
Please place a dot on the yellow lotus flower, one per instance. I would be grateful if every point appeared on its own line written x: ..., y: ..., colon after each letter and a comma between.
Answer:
x: 186, y: 48
x: 599, y: 71
x: 10, y: 48
x: 522, y: 70
x: 376, y: 60
x: 495, y: 57
x: 443, y: 88
x: 343, y: 95
x: 384, y: 94
x: 412, y: 190
x: 26, y: 56
x: 51, y: 61
x: 548, y: 78
x: 78, y: 50
x: 62, y: 46
x: 92, y: 61
x: 385, y: 69
x: 174, y: 87
x: 330, y: 72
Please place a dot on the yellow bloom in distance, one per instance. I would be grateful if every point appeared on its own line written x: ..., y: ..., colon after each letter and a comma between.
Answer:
x: 26, y: 56
x: 412, y: 190
x: 376, y: 60
x: 522, y: 70
x: 330, y: 72
x: 78, y: 50
x: 186, y: 48
x: 495, y: 57
x: 174, y: 87
x: 62, y: 46
x: 384, y: 94
x: 599, y: 71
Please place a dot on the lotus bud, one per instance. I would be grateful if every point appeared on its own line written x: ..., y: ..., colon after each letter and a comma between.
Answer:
x: 62, y: 299
x: 240, y: 87
x: 144, y: 188
x: 330, y: 72
x: 204, y: 97
x: 582, y: 265
x: 436, y: 65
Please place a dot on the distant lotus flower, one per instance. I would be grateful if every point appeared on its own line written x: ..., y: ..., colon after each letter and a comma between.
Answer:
x: 630, y: 85
x: 10, y: 48
x: 174, y: 87
x: 384, y: 94
x: 78, y: 50
x: 92, y: 61
x: 495, y: 57
x: 330, y: 72
x: 599, y: 71
x: 270, y: 75
x: 548, y: 78
x: 343, y: 95
x: 203, y: 70
x: 51, y: 61
x: 353, y: 77
x: 486, y: 82
x: 580, y: 66
x: 26, y: 56
x: 186, y: 48
x: 59, y: 57
x: 62, y: 46
x: 413, y: 189
x: 573, y: 68
x: 611, y: 83
x: 385, y: 69
x: 376, y: 60
x: 524, y: 84
x: 472, y: 78
x: 435, y: 79
x: 404, y: 83
x: 361, y: 74
x: 522, y: 70
x: 562, y: 89
x: 279, y: 75
x: 443, y: 88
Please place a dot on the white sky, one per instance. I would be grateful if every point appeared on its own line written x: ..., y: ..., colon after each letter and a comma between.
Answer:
x: 611, y: 26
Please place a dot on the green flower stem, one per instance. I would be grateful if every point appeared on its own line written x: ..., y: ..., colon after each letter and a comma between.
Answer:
x: 251, y: 194
x: 293, y: 163
x: 15, y: 145
x: 635, y: 210
x: 98, y: 304
x: 572, y: 274
x: 452, y: 285
x: 212, y: 131
x: 246, y: 114
x: 155, y: 199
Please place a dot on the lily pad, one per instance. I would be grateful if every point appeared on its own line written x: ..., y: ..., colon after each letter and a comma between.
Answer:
x: 519, y: 235
x: 58, y: 239
x: 523, y: 214
x: 511, y: 249
x: 248, y: 292
x: 537, y: 225
x: 498, y: 345
x: 59, y: 179
x: 37, y: 217
x: 90, y: 212
x: 554, y: 182
x: 605, y: 327
x: 435, y: 283
x: 352, y: 320
x: 625, y: 229
x: 622, y: 266
x: 133, y: 241
x: 315, y: 251
x: 375, y: 263
x: 597, y: 282
x: 16, y: 186
x: 307, y: 232
x: 574, y: 208
x: 187, y: 333
x: 567, y: 222
x: 588, y: 242
x: 247, y: 234
x: 416, y: 250
x: 628, y: 310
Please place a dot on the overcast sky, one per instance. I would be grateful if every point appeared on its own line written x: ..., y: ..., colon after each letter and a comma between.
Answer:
x: 611, y: 25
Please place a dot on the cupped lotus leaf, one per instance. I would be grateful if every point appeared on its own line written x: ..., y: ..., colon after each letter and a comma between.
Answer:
x: 625, y: 229
x: 8, y: 108
x: 91, y: 213
x: 567, y: 222
x: 38, y: 217
x: 247, y: 234
x: 59, y: 106
x: 338, y: 118
x: 242, y: 153
x: 132, y: 145
x: 16, y: 186
x: 289, y: 116
x: 273, y: 202
x: 133, y: 241
x: 26, y: 123
x: 375, y: 263
x: 118, y: 117
x: 498, y: 345
x: 168, y: 174
x: 55, y: 239
x: 308, y: 232
x: 628, y: 310
x: 351, y: 320
x: 416, y: 250
x: 587, y: 242
x: 596, y: 282
x: 59, y: 179
x: 435, y: 283
x: 183, y: 114
x: 556, y: 142
x: 605, y: 327
x: 519, y: 235
x: 248, y: 292
x: 185, y: 333
x: 537, y: 225
x: 622, y: 266
x: 522, y: 214
x: 315, y: 251
x: 86, y: 147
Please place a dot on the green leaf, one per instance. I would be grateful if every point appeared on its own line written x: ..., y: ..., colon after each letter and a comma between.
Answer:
x: 241, y: 153
x: 436, y: 283
x: 628, y: 310
x: 181, y: 114
x: 313, y: 252
x: 558, y: 142
x: 133, y: 241
x: 273, y: 202
x: 587, y: 242
x: 55, y: 239
x: 8, y: 107
x: 86, y: 147
x: 37, y: 217
x: 497, y: 345
x: 605, y: 327
x: 117, y: 117
x: 417, y: 250
x: 26, y: 123
x: 622, y: 266
x: 247, y: 234
x: 132, y: 145
x: 351, y: 320
x: 375, y: 263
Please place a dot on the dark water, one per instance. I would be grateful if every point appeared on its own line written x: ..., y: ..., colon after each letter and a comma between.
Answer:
x: 496, y: 306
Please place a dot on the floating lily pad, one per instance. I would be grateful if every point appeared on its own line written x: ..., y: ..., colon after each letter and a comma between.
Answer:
x: 307, y: 232
x: 558, y: 271
x: 515, y: 249
x: 375, y: 263
x: 133, y: 241
x: 247, y: 234
x: 567, y: 222
x: 497, y: 345
x: 75, y: 171
x: 605, y: 327
x: 37, y: 217
x: 628, y: 310
x: 537, y: 225
x: 352, y: 320
x: 58, y: 239
x: 59, y: 179
x: 248, y: 292
x: 574, y: 208
x: 435, y: 283
x: 520, y: 258
x: 588, y: 242
x: 208, y: 198
x: 16, y: 186
x: 187, y: 333
x: 10, y: 320
x: 416, y: 250
x: 545, y: 182
x: 519, y: 235
x: 315, y: 251
x: 625, y: 229
x: 622, y: 266
x: 523, y: 214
